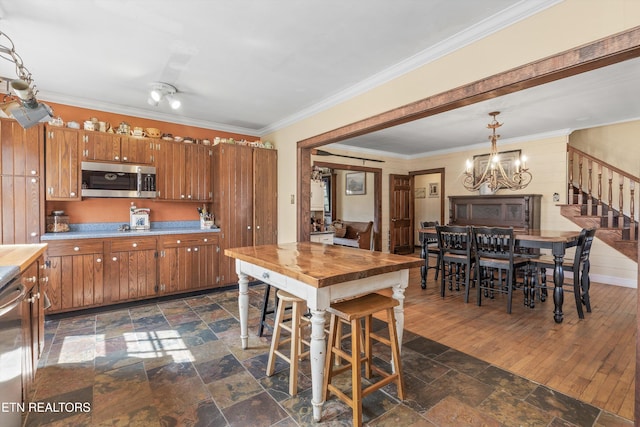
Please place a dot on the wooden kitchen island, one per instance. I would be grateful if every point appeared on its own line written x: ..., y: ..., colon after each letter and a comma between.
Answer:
x: 320, y: 274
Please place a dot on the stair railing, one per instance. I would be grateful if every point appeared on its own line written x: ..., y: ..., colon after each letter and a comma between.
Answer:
x: 576, y: 163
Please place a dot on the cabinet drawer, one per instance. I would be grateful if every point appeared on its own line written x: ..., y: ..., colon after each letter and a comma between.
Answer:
x: 75, y: 247
x: 133, y: 244
x: 184, y: 240
x: 268, y: 276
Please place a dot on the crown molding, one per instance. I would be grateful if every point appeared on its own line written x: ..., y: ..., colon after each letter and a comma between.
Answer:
x: 138, y: 112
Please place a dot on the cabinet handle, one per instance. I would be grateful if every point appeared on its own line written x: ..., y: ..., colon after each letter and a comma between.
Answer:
x: 98, y: 259
x: 188, y: 249
x: 206, y: 240
x: 258, y: 227
x: 135, y: 245
x: 265, y: 275
x: 124, y: 158
x: 44, y: 279
x: 195, y: 249
x: 34, y: 234
x: 76, y: 248
x: 34, y: 180
x: 32, y: 279
x: 178, y: 241
x: 248, y: 227
x: 72, y: 194
x: 182, y: 196
x: 37, y: 296
x: 189, y: 196
x: 33, y: 172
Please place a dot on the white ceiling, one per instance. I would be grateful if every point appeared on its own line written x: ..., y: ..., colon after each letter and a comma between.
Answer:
x: 252, y: 66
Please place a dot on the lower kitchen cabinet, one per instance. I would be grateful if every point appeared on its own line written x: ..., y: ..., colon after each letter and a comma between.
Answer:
x: 187, y: 262
x: 76, y: 278
x: 33, y: 324
x: 131, y: 268
x: 94, y: 272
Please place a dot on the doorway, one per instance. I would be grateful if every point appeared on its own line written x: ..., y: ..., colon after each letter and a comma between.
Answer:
x: 376, y: 191
x: 429, y: 198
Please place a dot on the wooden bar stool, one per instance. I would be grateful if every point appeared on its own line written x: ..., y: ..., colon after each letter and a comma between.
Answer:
x: 353, y: 311
x: 297, y: 321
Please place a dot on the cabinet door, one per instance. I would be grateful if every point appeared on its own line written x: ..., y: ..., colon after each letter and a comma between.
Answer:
x: 62, y: 164
x: 76, y: 278
x: 265, y: 197
x: 20, y: 210
x: 21, y: 152
x: 317, y: 196
x: 170, y: 171
x: 136, y: 150
x: 204, y: 264
x: 100, y: 146
x: 132, y: 269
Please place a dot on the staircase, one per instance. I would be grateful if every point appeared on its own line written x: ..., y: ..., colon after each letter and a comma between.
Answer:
x: 617, y: 225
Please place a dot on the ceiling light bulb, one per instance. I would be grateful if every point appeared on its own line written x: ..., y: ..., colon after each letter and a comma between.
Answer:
x: 156, y: 95
x: 174, y: 103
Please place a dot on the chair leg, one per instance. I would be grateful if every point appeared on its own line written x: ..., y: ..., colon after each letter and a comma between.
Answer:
x: 265, y: 304
x: 586, y: 284
x: 510, y: 277
x: 368, y: 347
x: 437, y: 267
x: 328, y: 363
x: 395, y: 352
x: 275, y: 339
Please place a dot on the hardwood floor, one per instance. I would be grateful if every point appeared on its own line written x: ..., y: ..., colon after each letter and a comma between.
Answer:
x: 591, y: 359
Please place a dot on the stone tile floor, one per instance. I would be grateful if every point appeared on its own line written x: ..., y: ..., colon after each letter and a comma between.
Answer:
x: 179, y: 363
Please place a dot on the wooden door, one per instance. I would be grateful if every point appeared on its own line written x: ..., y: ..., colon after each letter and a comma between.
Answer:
x: 20, y: 210
x: 265, y: 193
x: 62, y: 158
x: 401, y: 214
x: 100, y: 146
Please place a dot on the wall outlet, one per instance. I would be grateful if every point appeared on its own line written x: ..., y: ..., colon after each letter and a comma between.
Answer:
x: 293, y: 199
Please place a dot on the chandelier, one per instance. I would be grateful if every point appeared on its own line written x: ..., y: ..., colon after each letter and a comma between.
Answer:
x: 496, y: 174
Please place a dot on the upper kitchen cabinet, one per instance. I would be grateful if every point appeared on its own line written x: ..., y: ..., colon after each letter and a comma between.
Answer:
x: 183, y: 171
x: 21, y: 153
x: 21, y: 210
x: 245, y: 199
x: 62, y: 154
x: 101, y: 146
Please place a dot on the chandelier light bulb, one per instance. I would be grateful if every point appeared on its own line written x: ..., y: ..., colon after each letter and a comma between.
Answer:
x: 156, y: 95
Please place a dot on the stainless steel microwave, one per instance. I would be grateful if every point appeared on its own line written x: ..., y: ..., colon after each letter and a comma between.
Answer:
x: 118, y: 180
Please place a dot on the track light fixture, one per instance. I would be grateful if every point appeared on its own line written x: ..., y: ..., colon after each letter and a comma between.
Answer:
x: 163, y: 91
x: 22, y: 104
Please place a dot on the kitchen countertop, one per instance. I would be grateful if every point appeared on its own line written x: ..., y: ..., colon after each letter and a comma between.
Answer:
x: 109, y: 230
x: 16, y: 258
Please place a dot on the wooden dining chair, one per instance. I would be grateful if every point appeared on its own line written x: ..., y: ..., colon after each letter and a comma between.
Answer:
x: 496, y: 262
x: 455, y: 257
x: 430, y: 248
x: 579, y: 265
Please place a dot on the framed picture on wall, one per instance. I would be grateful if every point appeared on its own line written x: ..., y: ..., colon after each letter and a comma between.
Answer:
x: 507, y: 158
x: 355, y: 183
x: 421, y: 193
x: 434, y: 189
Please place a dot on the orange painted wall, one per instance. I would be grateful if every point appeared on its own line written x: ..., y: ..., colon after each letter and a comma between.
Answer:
x: 117, y: 210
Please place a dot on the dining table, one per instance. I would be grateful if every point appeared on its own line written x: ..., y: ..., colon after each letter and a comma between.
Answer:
x: 320, y: 273
x: 558, y: 241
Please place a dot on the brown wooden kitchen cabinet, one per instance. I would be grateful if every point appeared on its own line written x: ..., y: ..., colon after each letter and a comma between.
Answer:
x: 33, y: 324
x: 101, y: 146
x: 131, y: 267
x: 187, y: 262
x: 245, y: 199
x: 21, y: 165
x: 76, y: 278
x: 62, y: 164
x: 183, y: 171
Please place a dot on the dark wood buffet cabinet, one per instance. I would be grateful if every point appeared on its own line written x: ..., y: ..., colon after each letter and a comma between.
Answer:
x: 520, y: 211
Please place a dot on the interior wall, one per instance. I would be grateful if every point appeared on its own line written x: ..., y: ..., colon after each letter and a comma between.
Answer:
x: 354, y: 207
